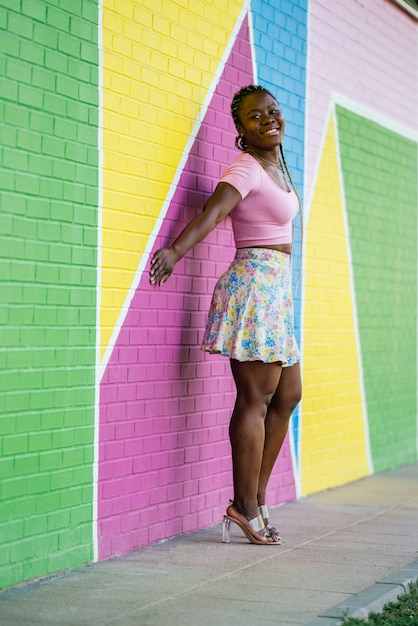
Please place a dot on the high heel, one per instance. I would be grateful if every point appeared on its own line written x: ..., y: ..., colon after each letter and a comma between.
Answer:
x: 226, y: 530
x: 264, y: 512
x: 249, y: 528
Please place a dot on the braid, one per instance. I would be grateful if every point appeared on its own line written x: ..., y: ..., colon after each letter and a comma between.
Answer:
x: 283, y: 160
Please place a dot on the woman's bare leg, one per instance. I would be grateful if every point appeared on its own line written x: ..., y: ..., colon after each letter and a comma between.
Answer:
x: 285, y: 399
x: 256, y: 384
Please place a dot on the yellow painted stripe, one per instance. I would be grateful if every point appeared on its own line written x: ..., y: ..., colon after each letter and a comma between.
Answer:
x: 333, y: 444
x: 159, y: 60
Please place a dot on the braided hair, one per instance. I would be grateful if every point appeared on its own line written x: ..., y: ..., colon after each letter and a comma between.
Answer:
x: 241, y: 143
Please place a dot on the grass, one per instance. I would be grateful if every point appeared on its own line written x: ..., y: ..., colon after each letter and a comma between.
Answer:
x: 403, y: 612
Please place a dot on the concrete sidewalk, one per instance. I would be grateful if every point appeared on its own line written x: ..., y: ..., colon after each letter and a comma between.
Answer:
x: 336, y: 546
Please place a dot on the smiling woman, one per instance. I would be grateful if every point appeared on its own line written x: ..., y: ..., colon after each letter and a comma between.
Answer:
x: 250, y: 320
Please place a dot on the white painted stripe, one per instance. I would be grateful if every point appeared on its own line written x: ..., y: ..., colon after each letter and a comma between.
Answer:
x: 160, y: 219
x: 252, y: 46
x: 98, y: 289
x: 375, y: 116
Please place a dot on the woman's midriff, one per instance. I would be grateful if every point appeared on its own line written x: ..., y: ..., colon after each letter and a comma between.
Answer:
x: 280, y: 247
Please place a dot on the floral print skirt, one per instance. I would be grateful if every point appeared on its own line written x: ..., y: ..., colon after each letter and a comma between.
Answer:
x: 251, y: 313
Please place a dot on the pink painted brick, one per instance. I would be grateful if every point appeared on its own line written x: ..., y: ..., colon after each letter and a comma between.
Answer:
x: 112, y: 489
x: 137, y: 373
x: 111, y: 450
x: 192, y: 454
x: 124, y: 430
x: 141, y: 464
x: 158, y: 460
x: 158, y: 496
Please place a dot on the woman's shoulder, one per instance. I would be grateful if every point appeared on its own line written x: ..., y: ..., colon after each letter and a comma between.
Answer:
x: 244, y: 164
x: 244, y: 174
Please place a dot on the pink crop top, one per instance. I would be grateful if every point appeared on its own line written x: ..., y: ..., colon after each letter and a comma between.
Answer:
x: 266, y: 212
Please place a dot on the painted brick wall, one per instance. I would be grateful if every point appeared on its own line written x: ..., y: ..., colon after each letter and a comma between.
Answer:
x: 114, y: 425
x: 48, y: 240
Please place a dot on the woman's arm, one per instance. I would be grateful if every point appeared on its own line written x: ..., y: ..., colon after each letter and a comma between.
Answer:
x: 219, y: 205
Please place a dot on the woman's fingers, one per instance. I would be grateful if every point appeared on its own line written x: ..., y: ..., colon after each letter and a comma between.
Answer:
x: 161, y: 267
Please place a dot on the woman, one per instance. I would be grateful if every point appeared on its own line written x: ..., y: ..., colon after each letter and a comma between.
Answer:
x: 251, y: 315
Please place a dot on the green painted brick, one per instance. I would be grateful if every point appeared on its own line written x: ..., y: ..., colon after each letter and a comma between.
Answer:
x: 50, y: 460
x: 28, y: 140
x: 44, y: 78
x: 73, y: 457
x: 62, y: 479
x: 81, y: 70
x: 42, y: 122
x: 62, y: 211
x: 10, y: 532
x: 51, y: 188
x: 70, y: 275
x: 18, y: 71
x: 88, y: 94
x: 12, y: 489
x: 58, y: 519
x: 26, y: 464
x: 68, y: 87
x: 58, y: 296
x: 71, y: 233
x: 68, y: 44
x: 59, y: 253
x: 26, y: 183
x: 44, y: 35
x: 9, y: 44
x: 30, y: 96
x: 7, y: 180
x: 73, y: 192
x: 29, y: 51
x: 16, y: 115
x: 83, y: 29
x: 15, y: 159
x: 58, y: 19
x: 21, y: 25
x: 10, y: 294
x: 42, y: 400
x: 56, y: 61
x: 36, y: 250
x: 75, y: 151
x: 8, y: 136
x: 89, y: 52
x: 56, y: 105
x: 34, y: 9
x: 65, y: 129
x: 42, y: 166
x: 3, y: 18
x: 75, y: 8
x: 88, y: 135
x: 64, y: 170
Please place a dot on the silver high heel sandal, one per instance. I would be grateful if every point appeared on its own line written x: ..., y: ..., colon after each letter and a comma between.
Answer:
x: 256, y: 524
x: 264, y: 512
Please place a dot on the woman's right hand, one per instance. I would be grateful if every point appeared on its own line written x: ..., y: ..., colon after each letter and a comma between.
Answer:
x: 162, y: 265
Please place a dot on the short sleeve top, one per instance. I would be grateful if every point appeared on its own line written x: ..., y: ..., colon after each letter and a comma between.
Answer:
x: 265, y: 214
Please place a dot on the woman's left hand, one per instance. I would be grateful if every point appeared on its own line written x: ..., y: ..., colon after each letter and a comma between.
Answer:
x: 162, y: 265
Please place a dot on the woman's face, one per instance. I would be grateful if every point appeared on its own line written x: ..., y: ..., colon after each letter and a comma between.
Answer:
x: 262, y: 123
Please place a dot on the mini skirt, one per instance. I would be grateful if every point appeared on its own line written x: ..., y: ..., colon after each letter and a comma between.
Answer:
x: 251, y: 314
